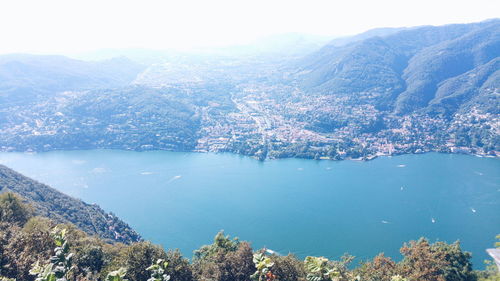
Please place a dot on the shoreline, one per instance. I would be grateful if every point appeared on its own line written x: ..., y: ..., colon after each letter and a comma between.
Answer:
x: 323, y: 158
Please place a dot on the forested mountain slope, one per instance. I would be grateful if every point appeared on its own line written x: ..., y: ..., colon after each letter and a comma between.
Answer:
x: 405, y: 69
x: 61, y: 208
x: 383, y: 92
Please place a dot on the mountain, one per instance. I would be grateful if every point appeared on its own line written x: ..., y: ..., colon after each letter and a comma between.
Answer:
x: 139, y: 55
x: 380, y: 32
x: 477, y: 86
x: 277, y: 45
x: 61, y: 208
x: 435, y: 64
x: 383, y: 92
x: 26, y: 78
x: 268, y: 47
x: 403, y: 67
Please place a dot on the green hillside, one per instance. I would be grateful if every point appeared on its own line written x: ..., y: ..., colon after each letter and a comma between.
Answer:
x: 61, y: 208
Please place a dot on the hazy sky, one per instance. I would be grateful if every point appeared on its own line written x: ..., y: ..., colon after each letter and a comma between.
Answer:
x: 52, y: 26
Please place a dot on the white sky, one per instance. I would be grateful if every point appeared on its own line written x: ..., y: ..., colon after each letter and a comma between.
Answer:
x: 62, y: 26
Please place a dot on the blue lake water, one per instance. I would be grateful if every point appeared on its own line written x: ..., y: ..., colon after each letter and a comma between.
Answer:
x: 306, y: 207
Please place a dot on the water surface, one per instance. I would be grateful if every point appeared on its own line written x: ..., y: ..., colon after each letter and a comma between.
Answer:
x: 306, y: 207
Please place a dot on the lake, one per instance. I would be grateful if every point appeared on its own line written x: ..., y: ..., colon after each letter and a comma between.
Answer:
x: 307, y: 207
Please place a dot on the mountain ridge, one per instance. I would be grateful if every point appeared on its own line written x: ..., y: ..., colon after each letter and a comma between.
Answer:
x: 383, y: 92
x: 394, y: 65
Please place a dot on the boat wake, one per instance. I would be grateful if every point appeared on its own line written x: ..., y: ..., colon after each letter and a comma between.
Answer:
x: 174, y: 178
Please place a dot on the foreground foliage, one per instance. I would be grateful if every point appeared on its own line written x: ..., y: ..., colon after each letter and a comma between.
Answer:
x: 59, y: 207
x: 37, y: 249
x: 60, y: 263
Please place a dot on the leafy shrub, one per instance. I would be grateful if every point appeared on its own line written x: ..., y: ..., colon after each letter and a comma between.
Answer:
x: 322, y: 269
x: 263, y: 265
x: 60, y: 263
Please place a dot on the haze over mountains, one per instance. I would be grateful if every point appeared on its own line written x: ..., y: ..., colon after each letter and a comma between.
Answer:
x: 24, y: 77
x: 386, y: 91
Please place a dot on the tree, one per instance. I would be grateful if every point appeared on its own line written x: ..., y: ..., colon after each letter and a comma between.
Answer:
x: 226, y: 264
x: 22, y: 247
x: 381, y: 268
x: 288, y: 268
x: 179, y: 267
x: 139, y: 256
x: 12, y: 210
x: 90, y: 259
x: 438, y: 262
x: 458, y: 263
x: 420, y: 262
x: 221, y: 243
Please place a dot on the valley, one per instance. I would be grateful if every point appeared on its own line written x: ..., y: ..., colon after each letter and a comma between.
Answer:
x: 358, y: 98
x: 312, y: 140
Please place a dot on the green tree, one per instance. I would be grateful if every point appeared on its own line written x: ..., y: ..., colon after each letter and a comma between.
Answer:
x: 288, y: 268
x: 224, y: 263
x: 13, y: 210
x: 90, y: 259
x: 139, y: 256
x: 435, y: 262
x: 221, y: 244
x: 381, y: 268
x: 179, y: 267
x: 458, y: 263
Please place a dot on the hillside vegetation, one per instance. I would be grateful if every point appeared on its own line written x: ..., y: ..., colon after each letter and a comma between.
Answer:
x: 35, y: 247
x: 383, y: 92
x: 60, y: 208
x: 407, y: 69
